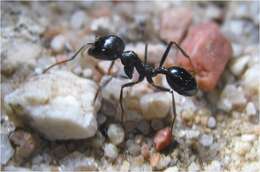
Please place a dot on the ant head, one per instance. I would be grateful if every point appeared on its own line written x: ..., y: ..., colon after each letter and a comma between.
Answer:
x: 181, y: 81
x: 108, y: 47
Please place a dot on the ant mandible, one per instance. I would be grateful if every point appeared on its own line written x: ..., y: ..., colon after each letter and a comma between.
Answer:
x: 112, y: 47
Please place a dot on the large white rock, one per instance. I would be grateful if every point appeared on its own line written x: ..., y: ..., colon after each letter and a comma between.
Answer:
x: 58, y: 104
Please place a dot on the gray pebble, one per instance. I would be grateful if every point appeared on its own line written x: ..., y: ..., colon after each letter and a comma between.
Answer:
x: 206, y: 140
x: 212, y: 122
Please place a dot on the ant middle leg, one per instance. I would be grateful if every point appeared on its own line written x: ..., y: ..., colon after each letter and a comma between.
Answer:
x: 122, y: 91
x: 173, y: 100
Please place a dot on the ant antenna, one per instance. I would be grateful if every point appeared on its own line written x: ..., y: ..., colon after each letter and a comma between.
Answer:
x: 70, y: 59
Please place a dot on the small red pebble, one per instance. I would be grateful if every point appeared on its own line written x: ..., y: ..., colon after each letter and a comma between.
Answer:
x: 209, y: 51
x: 163, y: 138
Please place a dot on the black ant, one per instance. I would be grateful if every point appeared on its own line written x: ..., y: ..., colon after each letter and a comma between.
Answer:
x: 112, y: 47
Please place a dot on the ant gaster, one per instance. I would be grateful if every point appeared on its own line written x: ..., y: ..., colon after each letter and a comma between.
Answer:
x: 112, y: 47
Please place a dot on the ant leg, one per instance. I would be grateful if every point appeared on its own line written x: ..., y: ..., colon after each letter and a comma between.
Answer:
x: 173, y: 100
x: 145, y: 53
x: 106, y: 82
x: 67, y: 60
x: 110, y: 67
x: 168, y: 50
x: 122, y: 91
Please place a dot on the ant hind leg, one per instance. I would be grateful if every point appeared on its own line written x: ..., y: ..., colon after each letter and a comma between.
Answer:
x: 173, y: 100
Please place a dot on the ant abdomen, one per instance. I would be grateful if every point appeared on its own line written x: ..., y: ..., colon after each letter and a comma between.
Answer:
x: 108, y: 47
x: 181, y: 81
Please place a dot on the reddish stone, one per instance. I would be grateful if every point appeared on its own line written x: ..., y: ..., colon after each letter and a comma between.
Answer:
x: 162, y: 138
x: 174, y: 24
x: 209, y: 51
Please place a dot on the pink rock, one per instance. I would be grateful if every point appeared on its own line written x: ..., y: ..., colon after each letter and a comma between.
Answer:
x: 209, y: 51
x: 163, y: 138
x: 174, y: 24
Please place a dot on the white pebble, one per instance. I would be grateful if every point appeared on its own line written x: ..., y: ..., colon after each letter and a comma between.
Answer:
x: 206, y: 140
x: 116, y: 133
x: 193, y: 167
x: 250, y: 109
x: 239, y: 65
x: 191, y: 134
x: 87, y: 73
x: 155, y: 105
x: 251, y: 79
x: 77, y: 19
x: 212, y: 122
x: 242, y: 147
x: 214, y: 166
x: 58, y: 43
x: 172, y: 169
x: 231, y: 96
x: 248, y: 137
x: 7, y: 150
x: 111, y: 151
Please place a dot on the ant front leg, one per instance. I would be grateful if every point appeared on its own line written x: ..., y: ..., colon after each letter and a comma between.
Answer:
x: 106, y: 82
x: 122, y: 92
x: 173, y: 99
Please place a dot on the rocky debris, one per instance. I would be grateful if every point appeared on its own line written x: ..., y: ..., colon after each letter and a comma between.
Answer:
x: 110, y: 151
x: 77, y: 161
x: 145, y: 151
x: 132, y: 147
x: 26, y: 145
x: 77, y: 19
x: 19, y: 54
x: 232, y: 97
x: 163, y: 138
x: 6, y: 148
x: 154, y: 159
x: 144, y: 127
x: 116, y: 133
x: 214, y: 166
x: 155, y: 105
x: 175, y: 23
x: 62, y: 109
x: 209, y: 51
x: 157, y: 124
